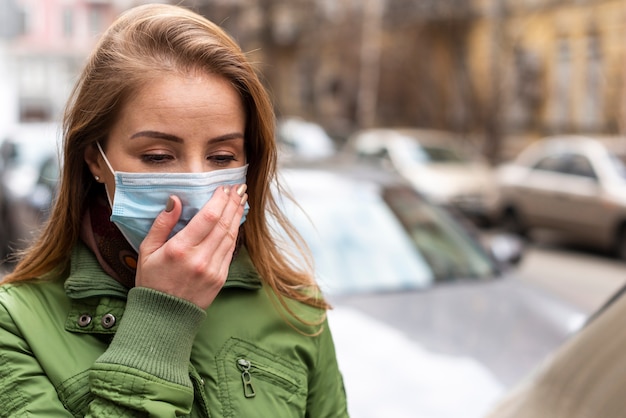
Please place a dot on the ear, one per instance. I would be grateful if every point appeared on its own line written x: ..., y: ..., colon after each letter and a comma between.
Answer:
x: 95, y: 162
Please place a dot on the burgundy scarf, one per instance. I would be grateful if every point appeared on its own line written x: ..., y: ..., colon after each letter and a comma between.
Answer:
x: 116, y: 256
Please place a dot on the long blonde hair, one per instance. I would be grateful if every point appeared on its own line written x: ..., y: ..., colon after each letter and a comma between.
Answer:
x: 144, y: 43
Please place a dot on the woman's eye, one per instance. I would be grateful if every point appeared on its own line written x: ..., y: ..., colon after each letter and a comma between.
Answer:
x: 221, y: 160
x: 156, y: 158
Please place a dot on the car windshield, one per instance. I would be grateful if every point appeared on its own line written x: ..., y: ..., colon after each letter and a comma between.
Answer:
x: 363, y: 239
x: 450, y: 251
x: 428, y: 153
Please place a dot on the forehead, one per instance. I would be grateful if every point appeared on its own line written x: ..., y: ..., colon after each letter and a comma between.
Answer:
x: 178, y: 90
x: 184, y: 101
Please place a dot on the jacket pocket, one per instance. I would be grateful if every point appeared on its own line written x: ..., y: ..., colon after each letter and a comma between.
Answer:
x: 255, y: 382
x: 75, y: 394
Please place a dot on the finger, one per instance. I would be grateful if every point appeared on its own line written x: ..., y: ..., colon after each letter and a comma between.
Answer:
x: 222, y: 240
x: 208, y: 218
x: 162, y: 226
x: 233, y: 211
x: 224, y: 232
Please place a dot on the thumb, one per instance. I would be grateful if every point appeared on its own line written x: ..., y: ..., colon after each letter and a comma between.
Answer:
x: 162, y: 226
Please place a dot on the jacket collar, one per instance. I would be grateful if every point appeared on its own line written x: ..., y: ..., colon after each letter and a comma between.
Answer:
x: 87, y: 279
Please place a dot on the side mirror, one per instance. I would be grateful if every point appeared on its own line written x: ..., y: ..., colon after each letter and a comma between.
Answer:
x: 506, y: 249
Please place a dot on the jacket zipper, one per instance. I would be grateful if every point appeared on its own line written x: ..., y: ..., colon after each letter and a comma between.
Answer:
x: 246, y: 378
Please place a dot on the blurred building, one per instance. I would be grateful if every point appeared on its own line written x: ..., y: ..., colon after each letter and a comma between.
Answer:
x: 43, y: 45
x: 491, y: 69
x: 552, y: 66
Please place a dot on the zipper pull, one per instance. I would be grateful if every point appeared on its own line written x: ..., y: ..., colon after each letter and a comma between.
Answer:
x: 246, y: 378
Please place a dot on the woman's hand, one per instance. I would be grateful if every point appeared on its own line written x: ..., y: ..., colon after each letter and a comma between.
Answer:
x: 194, y: 263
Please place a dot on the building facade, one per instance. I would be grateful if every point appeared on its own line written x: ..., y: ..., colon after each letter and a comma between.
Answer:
x: 553, y: 66
x: 43, y: 47
x: 493, y: 69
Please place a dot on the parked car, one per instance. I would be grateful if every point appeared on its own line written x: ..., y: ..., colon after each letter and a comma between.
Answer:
x: 30, y: 171
x: 437, y: 163
x: 303, y: 140
x: 573, y: 185
x: 427, y: 321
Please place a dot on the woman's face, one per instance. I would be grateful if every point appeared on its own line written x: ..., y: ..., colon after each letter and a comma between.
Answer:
x: 176, y: 123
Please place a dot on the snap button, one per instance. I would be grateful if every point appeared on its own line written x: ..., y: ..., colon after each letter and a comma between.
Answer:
x: 108, y: 321
x: 84, y: 320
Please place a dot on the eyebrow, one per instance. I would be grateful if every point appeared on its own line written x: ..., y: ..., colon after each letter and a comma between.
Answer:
x: 174, y: 138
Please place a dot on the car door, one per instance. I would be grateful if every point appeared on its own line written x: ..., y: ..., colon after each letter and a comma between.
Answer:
x: 537, y: 193
x: 579, y: 202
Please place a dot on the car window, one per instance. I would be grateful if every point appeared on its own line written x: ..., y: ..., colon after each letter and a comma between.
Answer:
x: 579, y: 165
x: 443, y: 155
x: 450, y: 251
x: 427, y: 153
x: 555, y: 163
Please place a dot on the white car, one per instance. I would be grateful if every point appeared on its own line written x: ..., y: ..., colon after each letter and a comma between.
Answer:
x: 437, y: 163
x: 573, y: 185
x: 426, y: 322
x: 303, y: 140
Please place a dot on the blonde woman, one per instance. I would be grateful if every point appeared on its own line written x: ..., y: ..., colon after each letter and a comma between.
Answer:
x: 156, y: 287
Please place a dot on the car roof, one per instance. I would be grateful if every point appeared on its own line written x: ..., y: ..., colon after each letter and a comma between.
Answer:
x: 349, y: 168
x: 367, y: 137
x: 569, y: 143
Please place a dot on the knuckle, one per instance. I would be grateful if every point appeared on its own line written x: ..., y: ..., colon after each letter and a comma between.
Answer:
x: 210, y: 216
x: 175, y: 250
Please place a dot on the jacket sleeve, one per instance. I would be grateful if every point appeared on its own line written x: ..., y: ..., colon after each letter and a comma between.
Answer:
x: 144, y: 372
x: 146, y: 367
x: 25, y: 390
x: 327, y: 396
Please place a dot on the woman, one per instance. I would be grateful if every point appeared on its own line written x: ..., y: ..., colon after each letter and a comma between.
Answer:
x: 139, y: 299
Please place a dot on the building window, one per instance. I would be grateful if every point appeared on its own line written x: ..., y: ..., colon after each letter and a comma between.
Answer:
x: 25, y: 18
x: 592, y: 110
x: 96, y: 20
x: 68, y: 22
x: 562, y: 81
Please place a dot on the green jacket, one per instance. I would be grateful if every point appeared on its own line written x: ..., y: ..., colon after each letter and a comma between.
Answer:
x: 85, y: 346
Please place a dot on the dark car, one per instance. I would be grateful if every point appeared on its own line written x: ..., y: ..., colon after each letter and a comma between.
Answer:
x: 427, y: 320
x: 30, y: 169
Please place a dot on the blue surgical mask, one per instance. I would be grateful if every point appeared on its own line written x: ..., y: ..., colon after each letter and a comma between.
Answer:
x: 140, y: 197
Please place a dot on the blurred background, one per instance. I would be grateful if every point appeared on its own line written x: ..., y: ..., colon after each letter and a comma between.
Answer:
x: 505, y: 118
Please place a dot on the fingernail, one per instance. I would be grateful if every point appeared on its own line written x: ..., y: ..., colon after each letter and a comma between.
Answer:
x: 227, y: 189
x: 241, y: 189
x: 169, y: 205
x: 244, y: 199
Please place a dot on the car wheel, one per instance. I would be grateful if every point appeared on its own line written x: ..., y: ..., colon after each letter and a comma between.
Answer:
x: 511, y: 222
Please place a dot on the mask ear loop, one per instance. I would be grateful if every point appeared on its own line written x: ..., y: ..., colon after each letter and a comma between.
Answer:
x: 106, y: 160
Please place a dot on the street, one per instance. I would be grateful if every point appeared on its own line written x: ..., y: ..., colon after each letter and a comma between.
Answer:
x: 375, y: 369
x: 582, y: 276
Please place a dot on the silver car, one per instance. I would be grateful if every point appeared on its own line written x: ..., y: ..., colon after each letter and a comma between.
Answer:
x: 428, y: 321
x: 573, y: 185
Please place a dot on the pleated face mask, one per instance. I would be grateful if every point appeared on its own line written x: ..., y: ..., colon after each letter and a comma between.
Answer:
x: 140, y: 197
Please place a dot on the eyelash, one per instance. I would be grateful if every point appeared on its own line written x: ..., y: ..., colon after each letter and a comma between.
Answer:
x: 222, y: 160
x: 219, y: 160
